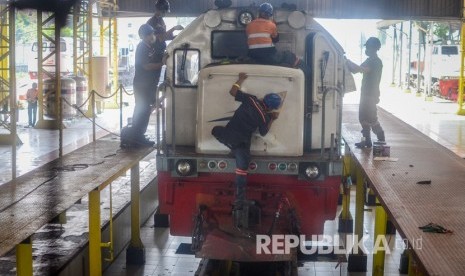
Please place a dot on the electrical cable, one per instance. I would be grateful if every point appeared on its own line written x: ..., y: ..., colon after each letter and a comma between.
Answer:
x: 55, y: 171
x: 135, y: 141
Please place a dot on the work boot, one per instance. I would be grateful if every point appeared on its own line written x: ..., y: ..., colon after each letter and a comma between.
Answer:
x: 381, y: 138
x: 144, y: 142
x: 378, y: 130
x: 365, y: 143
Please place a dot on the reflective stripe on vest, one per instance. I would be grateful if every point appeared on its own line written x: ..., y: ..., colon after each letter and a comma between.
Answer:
x: 264, y: 45
x: 266, y: 35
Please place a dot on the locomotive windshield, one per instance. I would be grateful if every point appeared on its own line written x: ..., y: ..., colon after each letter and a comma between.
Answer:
x: 229, y: 44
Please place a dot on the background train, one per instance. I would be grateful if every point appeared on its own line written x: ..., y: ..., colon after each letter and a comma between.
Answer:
x: 295, y: 169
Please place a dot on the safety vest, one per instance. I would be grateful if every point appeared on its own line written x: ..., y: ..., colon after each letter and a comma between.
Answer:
x: 260, y: 33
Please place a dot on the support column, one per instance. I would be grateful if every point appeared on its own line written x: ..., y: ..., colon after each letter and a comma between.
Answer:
x: 429, y: 86
x: 370, y: 197
x: 112, y: 103
x: 48, y: 68
x: 380, y: 242
x: 346, y: 222
x: 358, y: 262
x: 407, y: 90
x: 461, y: 110
x: 419, y: 72
x: 394, y: 59
x: 413, y: 269
x: 400, y: 52
x: 135, y: 253
x: 95, y: 235
x: 24, y: 258
x: 7, y: 83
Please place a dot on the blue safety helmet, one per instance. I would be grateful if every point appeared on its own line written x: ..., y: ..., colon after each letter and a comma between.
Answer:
x: 266, y: 9
x: 145, y: 30
x: 373, y: 42
x: 162, y: 5
x: 272, y: 100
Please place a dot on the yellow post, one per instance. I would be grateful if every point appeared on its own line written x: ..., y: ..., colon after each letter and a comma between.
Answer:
x: 359, y: 204
x: 91, y: 109
x: 48, y: 67
x: 135, y: 205
x: 135, y: 253
x: 345, y: 219
x: 95, y: 253
x: 412, y: 266
x: 102, y: 36
x: 345, y: 214
x: 357, y: 261
x: 461, y: 111
x: 4, y: 54
x: 114, y: 53
x: 380, y: 242
x: 113, y: 102
x: 24, y: 258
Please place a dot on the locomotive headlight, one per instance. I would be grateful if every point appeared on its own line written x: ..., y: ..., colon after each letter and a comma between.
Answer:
x: 212, y: 18
x: 184, y: 168
x: 245, y: 17
x: 296, y: 20
x: 312, y: 171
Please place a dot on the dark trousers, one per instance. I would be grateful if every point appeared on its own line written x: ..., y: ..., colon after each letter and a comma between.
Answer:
x: 32, y: 113
x: 271, y: 56
x: 368, y: 118
x: 241, y: 150
x: 140, y: 119
x: 242, y: 155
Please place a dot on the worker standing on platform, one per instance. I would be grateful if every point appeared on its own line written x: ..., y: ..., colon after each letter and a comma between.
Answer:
x: 372, y: 69
x: 161, y: 8
x: 150, y: 59
x: 237, y: 134
x: 262, y: 33
x: 31, y: 97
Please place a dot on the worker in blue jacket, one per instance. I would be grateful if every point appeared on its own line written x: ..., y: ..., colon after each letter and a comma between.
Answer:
x: 252, y: 114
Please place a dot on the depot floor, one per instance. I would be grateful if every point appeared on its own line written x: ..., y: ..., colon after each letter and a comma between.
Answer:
x: 435, y: 118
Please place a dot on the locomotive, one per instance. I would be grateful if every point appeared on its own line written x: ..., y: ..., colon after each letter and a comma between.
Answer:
x: 295, y: 170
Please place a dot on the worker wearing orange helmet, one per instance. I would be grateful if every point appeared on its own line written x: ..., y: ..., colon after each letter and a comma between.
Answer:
x: 262, y: 33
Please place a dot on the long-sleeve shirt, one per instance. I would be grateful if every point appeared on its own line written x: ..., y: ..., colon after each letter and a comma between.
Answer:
x: 31, y: 95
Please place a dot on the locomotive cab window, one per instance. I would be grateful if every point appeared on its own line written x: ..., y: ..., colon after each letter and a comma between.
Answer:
x: 450, y: 50
x: 186, y: 67
x: 229, y: 44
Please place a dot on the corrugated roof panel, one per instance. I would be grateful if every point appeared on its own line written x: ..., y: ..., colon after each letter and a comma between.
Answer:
x: 363, y: 9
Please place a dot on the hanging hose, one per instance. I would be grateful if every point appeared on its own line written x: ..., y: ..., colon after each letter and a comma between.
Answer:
x: 283, y: 200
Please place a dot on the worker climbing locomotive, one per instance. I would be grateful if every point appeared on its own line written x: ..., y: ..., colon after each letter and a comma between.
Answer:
x: 294, y: 171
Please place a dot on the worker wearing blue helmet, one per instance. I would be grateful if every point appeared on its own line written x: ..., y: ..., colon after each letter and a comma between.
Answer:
x: 252, y: 114
x: 266, y: 9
